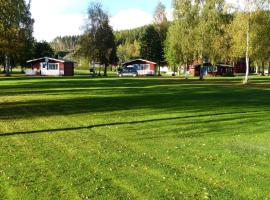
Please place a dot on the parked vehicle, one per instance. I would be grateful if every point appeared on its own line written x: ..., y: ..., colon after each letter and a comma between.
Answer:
x: 128, y: 71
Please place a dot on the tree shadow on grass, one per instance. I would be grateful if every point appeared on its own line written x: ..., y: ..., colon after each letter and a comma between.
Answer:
x: 130, y: 123
x: 112, y: 95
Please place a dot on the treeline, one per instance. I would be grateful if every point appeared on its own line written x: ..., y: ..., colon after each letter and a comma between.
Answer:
x: 65, y: 43
x: 126, y: 41
x: 201, y: 30
x: 128, y: 45
x: 212, y: 30
x: 128, y: 36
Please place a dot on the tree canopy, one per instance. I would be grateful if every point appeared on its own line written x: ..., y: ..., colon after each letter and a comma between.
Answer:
x: 150, y: 43
x: 16, y: 27
x: 98, y: 41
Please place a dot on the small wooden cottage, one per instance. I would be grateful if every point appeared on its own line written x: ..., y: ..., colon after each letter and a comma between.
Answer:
x: 240, y: 67
x: 143, y: 67
x: 50, y: 67
x: 209, y: 70
x: 197, y: 69
x: 223, y: 70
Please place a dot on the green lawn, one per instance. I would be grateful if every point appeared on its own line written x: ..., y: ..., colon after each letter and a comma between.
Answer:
x: 142, y: 138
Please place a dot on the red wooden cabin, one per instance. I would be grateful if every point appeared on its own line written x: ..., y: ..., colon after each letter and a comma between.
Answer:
x: 210, y: 70
x: 196, y: 70
x: 240, y: 67
x: 144, y: 67
x: 50, y: 67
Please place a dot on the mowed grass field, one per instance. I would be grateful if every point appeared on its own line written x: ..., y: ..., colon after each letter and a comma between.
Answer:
x: 134, y: 138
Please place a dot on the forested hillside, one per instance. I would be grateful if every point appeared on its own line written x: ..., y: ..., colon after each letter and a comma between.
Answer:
x: 65, y: 43
x: 127, y: 44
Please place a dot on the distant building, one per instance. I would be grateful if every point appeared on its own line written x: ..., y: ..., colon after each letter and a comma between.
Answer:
x: 197, y: 69
x: 143, y: 67
x: 50, y: 67
x: 240, y: 67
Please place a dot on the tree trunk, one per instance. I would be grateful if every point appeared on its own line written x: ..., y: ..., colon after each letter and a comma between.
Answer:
x: 269, y: 68
x: 247, y: 56
x: 159, y: 74
x: 263, y: 69
x: 186, y: 71
x: 105, y: 70
x: 7, y: 66
x: 93, y: 66
x: 201, y: 72
x: 257, y: 68
x: 201, y: 67
x: 99, y: 71
x: 174, y: 70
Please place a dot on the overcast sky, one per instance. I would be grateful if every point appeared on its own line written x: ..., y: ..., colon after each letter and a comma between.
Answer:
x: 65, y: 17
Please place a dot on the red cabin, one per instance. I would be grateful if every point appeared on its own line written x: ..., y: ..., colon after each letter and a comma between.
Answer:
x: 210, y: 70
x: 196, y: 69
x: 50, y: 67
x: 143, y: 67
x: 240, y: 67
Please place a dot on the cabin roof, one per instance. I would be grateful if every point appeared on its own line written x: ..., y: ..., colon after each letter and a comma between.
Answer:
x: 53, y: 59
x: 142, y: 60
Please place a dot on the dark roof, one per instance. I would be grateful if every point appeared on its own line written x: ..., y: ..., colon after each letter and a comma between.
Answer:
x: 142, y: 60
x: 54, y: 59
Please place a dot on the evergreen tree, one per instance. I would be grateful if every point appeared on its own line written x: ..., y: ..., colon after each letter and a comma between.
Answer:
x: 151, y: 46
x: 43, y: 49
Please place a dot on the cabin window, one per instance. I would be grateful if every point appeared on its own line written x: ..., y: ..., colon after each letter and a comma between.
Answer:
x: 144, y: 67
x: 53, y: 66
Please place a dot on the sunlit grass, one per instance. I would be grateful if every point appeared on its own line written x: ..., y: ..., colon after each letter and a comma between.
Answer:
x: 142, y: 138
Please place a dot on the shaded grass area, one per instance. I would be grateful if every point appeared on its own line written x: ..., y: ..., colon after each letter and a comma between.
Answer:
x: 143, y: 138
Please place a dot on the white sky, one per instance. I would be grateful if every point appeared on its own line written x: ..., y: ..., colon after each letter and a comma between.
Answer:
x: 65, y: 17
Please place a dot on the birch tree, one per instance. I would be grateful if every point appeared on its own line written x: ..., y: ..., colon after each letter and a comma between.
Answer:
x: 180, y: 48
x: 161, y: 24
x: 98, y: 41
x: 16, y: 27
x: 209, y: 29
x: 248, y: 33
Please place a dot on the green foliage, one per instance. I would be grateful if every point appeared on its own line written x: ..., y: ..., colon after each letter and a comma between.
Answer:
x: 150, y: 45
x: 16, y: 27
x: 248, y: 32
x: 162, y: 25
x: 98, y: 41
x: 43, y: 49
x: 128, y: 36
x: 128, y: 45
x: 128, y: 51
x: 180, y: 44
x: 199, y: 31
x: 260, y: 38
x: 66, y: 43
x: 210, y: 29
